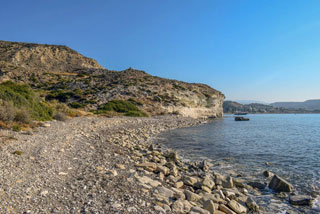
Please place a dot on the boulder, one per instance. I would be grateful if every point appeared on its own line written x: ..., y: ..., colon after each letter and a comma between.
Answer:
x: 278, y: 184
x: 300, y: 200
x: 257, y: 185
x: 251, y: 204
x: 204, y: 165
x: 208, y: 182
x: 225, y: 209
x: 163, y: 191
x: 181, y: 206
x: 210, y: 206
x: 237, y: 207
x: 188, y: 180
x: 163, y: 169
x: 198, y: 210
x: 192, y: 196
x: 268, y: 174
x: 148, y: 166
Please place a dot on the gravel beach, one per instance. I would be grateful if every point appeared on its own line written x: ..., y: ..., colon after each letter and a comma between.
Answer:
x: 110, y: 165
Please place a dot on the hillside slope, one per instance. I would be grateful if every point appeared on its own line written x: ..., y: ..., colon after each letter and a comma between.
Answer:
x: 64, y: 74
x: 307, y: 105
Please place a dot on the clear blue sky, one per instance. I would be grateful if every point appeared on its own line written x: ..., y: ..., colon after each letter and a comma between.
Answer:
x: 265, y: 50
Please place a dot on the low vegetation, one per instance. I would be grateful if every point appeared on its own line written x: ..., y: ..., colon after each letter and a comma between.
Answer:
x: 122, y: 107
x: 20, y: 103
x: 20, y: 106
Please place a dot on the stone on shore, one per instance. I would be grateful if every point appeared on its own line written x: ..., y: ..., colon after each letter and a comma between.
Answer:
x: 148, y: 166
x: 181, y: 206
x: 198, y: 210
x: 190, y: 181
x: 278, y: 184
x: 251, y: 204
x: 225, y: 209
x: 210, y: 206
x: 302, y: 200
x: 237, y: 207
x: 192, y: 196
x: 268, y: 174
x: 257, y: 185
x: 208, y: 183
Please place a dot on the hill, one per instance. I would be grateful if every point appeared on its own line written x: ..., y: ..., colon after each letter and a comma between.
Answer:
x: 309, y: 105
x: 63, y: 74
x: 253, y: 108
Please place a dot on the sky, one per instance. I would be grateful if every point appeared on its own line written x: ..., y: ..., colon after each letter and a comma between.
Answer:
x: 265, y: 50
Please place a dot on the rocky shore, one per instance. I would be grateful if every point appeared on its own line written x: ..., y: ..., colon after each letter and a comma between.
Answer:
x: 110, y: 165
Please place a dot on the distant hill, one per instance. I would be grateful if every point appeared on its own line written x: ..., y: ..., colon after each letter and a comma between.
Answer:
x: 253, y: 108
x: 310, y: 105
x: 244, y: 102
x: 63, y: 74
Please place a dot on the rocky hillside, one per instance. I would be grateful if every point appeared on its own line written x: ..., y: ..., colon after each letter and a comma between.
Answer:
x: 63, y: 74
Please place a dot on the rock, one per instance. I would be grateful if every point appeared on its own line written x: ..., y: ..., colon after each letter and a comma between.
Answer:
x: 178, y: 184
x: 44, y: 192
x: 257, y: 185
x: 206, y: 189
x: 210, y: 206
x: 47, y: 125
x: 174, y: 171
x: 188, y: 180
x: 173, y: 156
x: 213, y: 197
x: 190, y: 196
x: 208, y: 182
x: 204, y: 165
x: 159, y: 209
x: 178, y: 194
x: 278, y: 184
x: 228, y: 182
x: 238, y: 208
x: 181, y: 206
x: 268, y: 174
x: 251, y: 204
x: 120, y: 166
x: 225, y: 209
x: 148, y: 166
x: 198, y: 210
x: 163, y: 191
x: 238, y: 182
x: 300, y: 200
x: 112, y: 172
x: 167, y: 208
x: 147, y: 180
x: 163, y: 169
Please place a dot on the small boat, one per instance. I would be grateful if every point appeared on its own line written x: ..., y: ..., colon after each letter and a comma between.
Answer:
x: 241, y: 119
x: 240, y: 113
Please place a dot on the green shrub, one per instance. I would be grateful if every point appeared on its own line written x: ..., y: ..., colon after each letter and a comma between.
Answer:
x: 23, y: 98
x: 135, y: 114
x: 22, y: 116
x: 76, y: 105
x: 60, y: 116
x: 6, y: 111
x: 16, y: 128
x: 121, y: 106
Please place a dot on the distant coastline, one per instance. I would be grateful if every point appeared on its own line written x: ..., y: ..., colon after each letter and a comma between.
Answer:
x: 231, y: 107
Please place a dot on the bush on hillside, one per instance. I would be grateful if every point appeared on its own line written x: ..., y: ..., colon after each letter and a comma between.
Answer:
x: 23, y: 103
x: 121, y: 106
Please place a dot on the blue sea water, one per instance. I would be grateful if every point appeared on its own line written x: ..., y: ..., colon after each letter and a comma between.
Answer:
x: 286, y: 144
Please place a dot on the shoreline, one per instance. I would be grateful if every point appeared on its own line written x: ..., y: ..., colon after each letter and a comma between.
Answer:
x: 111, y: 165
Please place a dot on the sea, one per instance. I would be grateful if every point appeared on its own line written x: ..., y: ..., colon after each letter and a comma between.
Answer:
x: 285, y: 144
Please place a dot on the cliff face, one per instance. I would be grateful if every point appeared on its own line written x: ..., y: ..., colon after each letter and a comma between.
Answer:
x: 70, y: 77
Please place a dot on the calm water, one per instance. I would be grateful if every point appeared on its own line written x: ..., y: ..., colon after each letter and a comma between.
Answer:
x: 289, y: 142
